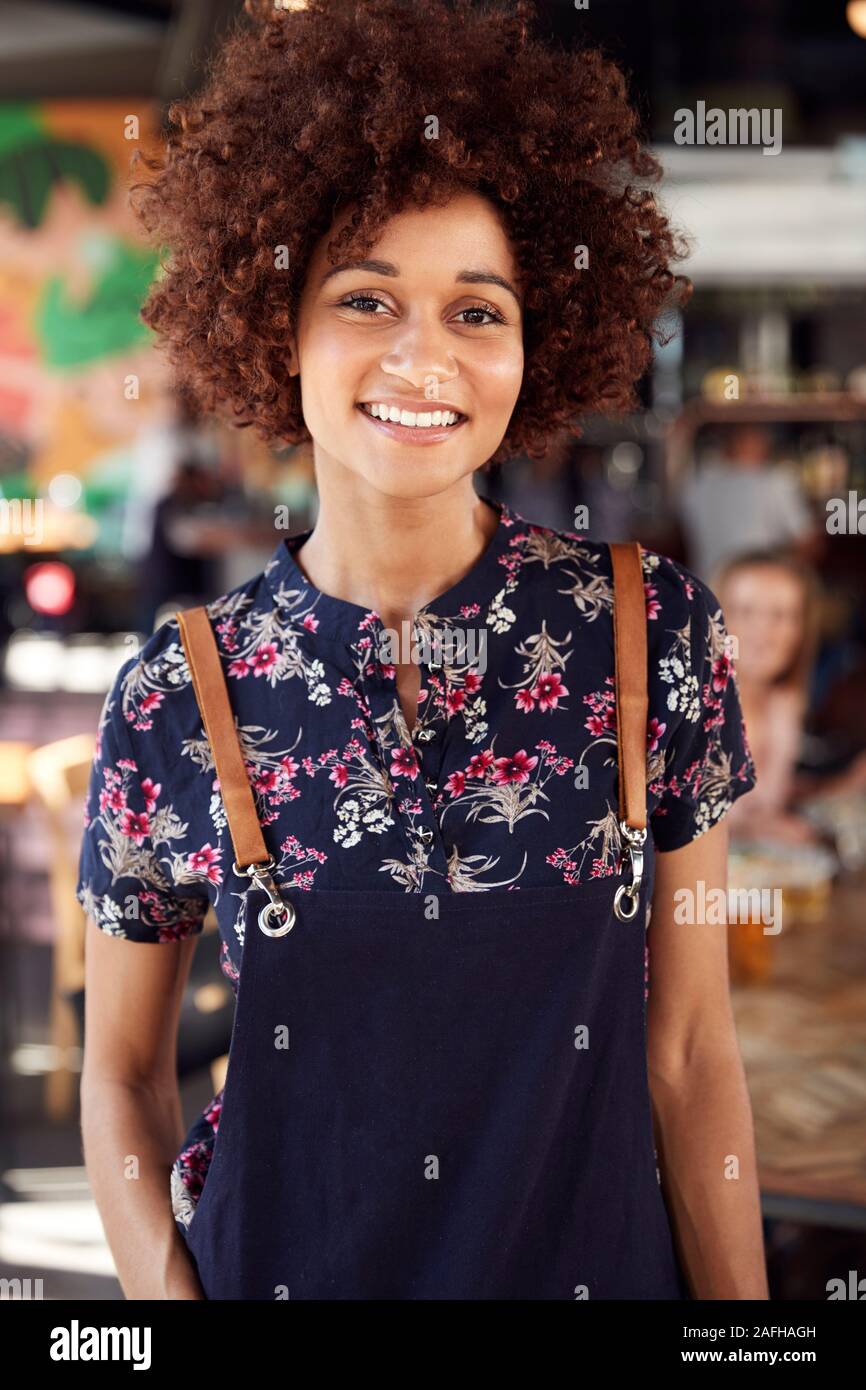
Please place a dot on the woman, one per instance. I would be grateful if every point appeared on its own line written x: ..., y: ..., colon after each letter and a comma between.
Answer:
x: 438, y: 1080
x: 771, y: 603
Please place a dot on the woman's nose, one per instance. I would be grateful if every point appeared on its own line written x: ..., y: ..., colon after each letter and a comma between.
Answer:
x: 421, y: 354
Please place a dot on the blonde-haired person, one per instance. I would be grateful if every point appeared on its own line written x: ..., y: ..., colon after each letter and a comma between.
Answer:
x: 771, y: 600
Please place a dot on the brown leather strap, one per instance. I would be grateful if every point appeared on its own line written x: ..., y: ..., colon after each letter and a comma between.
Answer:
x: 209, y: 685
x: 632, y: 699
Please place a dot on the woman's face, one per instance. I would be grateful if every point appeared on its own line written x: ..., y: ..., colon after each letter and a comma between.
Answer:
x: 763, y: 607
x: 430, y: 321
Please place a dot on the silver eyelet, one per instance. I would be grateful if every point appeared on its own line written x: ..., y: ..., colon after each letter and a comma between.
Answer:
x: 625, y: 894
x: 261, y: 876
x: 273, y: 910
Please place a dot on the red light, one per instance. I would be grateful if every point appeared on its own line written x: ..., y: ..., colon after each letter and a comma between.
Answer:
x: 49, y: 587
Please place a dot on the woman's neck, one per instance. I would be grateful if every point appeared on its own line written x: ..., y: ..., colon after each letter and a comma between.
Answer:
x: 393, y: 554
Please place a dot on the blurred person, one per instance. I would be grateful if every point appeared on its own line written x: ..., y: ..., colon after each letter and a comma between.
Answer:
x: 771, y: 604
x: 173, y: 433
x: 179, y: 565
x: 743, y: 502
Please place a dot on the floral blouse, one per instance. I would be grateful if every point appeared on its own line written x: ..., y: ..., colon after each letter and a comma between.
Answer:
x: 506, y: 780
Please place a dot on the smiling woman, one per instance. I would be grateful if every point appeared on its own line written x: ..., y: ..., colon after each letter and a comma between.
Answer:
x: 365, y: 109
x: 433, y: 877
x: 408, y: 376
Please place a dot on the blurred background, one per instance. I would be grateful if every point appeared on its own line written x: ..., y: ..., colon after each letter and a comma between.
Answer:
x: 746, y: 461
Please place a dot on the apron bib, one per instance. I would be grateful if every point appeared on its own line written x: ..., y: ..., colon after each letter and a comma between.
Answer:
x: 434, y: 1096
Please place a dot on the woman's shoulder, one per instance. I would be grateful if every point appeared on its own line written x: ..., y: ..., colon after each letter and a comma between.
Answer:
x: 675, y: 597
x: 158, y: 671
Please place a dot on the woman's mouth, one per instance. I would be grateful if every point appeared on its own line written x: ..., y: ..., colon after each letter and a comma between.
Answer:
x: 410, y: 426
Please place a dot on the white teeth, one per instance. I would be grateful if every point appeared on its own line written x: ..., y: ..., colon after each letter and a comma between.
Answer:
x: 422, y: 420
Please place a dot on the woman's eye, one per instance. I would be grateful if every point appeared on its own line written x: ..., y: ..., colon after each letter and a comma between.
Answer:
x: 356, y: 301
x: 493, y: 314
x: 369, y: 304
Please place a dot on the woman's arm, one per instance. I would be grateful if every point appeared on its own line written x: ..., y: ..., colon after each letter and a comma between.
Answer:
x: 131, y: 1120
x: 701, y: 1109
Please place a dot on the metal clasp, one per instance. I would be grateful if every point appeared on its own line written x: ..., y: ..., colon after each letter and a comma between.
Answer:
x: 261, y: 875
x: 625, y: 904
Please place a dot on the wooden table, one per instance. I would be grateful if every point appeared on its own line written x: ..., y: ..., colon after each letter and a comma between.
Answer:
x: 802, y: 1036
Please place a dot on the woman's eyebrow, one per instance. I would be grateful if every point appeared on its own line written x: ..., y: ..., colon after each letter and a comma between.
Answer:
x: 466, y: 277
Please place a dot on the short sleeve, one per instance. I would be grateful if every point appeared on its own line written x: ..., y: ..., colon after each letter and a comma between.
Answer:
x: 705, y: 763
x: 132, y: 863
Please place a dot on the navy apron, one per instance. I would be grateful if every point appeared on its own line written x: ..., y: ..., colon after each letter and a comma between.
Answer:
x: 431, y: 1096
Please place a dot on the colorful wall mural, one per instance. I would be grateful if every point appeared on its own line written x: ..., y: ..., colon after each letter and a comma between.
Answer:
x: 74, y: 270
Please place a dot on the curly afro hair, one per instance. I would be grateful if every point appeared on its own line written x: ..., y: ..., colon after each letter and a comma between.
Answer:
x: 307, y: 111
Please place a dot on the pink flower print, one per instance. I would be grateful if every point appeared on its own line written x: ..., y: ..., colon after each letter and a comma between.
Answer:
x: 150, y: 791
x: 454, y: 701
x: 151, y: 701
x: 129, y: 763
x: 595, y: 725
x: 471, y: 682
x: 205, y: 861
x: 404, y: 763
x: 265, y: 780
x: 524, y: 700
x: 722, y: 667
x: 653, y: 607
x: 514, y: 769
x: 239, y: 667
x: 456, y: 783
x: 264, y: 659
x: 310, y: 623
x: 548, y: 691
x: 289, y: 766
x: 479, y: 763
x: 213, y: 1111
x: 339, y: 775
x: 654, y: 733
x: 112, y: 799
x: 135, y: 825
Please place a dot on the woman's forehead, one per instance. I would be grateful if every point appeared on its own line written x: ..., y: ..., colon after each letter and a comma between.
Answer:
x: 465, y: 234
